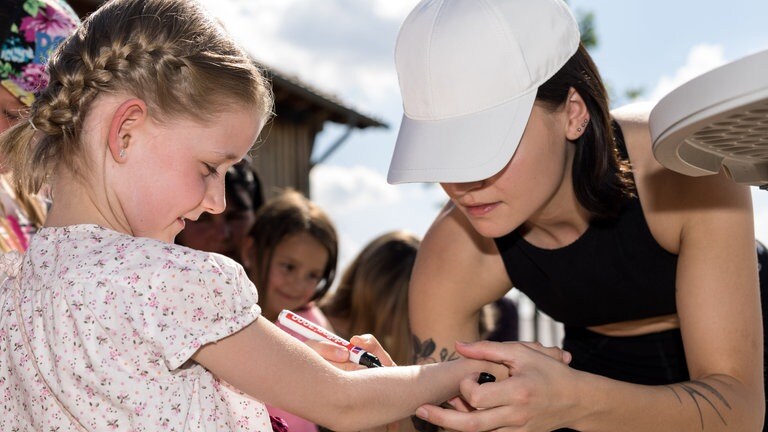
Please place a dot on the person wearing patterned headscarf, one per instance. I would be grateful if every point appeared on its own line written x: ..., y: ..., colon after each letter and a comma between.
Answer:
x: 30, y: 30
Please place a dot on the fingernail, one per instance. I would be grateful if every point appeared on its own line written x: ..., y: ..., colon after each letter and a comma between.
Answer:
x: 567, y: 357
x: 341, y: 354
x: 422, y: 413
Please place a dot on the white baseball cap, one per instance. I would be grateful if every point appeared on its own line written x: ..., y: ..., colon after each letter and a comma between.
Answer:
x: 469, y: 71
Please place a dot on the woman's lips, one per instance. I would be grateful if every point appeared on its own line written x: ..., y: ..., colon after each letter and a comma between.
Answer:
x: 480, y: 209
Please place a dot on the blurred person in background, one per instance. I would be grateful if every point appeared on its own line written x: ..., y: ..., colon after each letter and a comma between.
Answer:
x: 30, y: 31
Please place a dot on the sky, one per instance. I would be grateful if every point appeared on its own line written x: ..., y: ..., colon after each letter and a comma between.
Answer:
x: 346, y: 48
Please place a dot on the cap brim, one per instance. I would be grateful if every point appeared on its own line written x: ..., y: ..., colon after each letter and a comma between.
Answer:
x: 460, y: 149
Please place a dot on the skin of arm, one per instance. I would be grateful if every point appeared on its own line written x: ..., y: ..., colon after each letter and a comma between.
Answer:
x: 265, y: 362
x: 708, y: 222
x: 456, y: 273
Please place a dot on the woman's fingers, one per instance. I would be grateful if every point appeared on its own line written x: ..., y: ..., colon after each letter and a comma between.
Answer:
x: 508, y: 352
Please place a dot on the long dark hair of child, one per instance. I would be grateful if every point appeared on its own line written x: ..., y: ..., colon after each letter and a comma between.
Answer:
x: 372, y: 295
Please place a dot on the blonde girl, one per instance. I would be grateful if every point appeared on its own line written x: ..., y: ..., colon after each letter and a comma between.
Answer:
x: 105, y: 323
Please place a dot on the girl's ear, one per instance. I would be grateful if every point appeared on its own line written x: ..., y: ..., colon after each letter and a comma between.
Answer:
x: 129, y: 115
x: 577, y: 115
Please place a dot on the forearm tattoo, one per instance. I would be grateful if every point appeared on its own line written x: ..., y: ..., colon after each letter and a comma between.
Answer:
x: 701, y: 391
x: 423, y: 351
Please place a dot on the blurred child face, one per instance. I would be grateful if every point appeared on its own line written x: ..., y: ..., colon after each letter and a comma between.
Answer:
x: 10, y: 106
x: 295, y: 272
x: 220, y: 233
x: 175, y: 172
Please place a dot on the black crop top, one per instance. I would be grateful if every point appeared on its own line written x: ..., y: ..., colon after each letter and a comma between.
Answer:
x: 616, y: 271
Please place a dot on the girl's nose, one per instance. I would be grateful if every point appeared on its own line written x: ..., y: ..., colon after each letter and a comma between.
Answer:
x: 215, y: 201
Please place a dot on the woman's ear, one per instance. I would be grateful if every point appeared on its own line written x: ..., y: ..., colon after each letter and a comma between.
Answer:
x: 127, y: 118
x: 577, y: 115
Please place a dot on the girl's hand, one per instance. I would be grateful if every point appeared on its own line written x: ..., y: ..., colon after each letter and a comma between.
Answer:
x: 538, y: 395
x: 339, y: 356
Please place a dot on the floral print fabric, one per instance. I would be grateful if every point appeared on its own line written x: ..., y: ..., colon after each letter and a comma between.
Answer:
x: 36, y: 28
x: 112, y: 321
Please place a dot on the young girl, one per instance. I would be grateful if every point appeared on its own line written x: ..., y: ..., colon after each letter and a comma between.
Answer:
x: 652, y: 272
x: 29, y: 32
x: 290, y: 253
x: 105, y: 323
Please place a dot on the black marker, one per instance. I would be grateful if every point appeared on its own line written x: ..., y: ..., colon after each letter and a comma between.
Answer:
x: 485, y: 377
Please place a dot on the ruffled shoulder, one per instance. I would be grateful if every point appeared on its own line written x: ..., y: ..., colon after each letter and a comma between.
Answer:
x: 10, y: 263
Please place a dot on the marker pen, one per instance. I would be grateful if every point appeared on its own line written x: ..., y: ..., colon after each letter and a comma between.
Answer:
x: 312, y: 331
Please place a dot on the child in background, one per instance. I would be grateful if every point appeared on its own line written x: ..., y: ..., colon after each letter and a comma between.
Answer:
x: 372, y: 296
x: 105, y: 324
x: 29, y: 32
x: 290, y: 253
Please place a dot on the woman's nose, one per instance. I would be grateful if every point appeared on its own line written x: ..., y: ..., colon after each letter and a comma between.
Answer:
x: 459, y: 189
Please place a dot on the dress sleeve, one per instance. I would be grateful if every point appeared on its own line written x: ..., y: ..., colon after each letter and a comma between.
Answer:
x: 193, y: 305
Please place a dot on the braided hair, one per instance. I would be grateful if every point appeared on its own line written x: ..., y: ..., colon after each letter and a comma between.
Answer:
x: 168, y: 53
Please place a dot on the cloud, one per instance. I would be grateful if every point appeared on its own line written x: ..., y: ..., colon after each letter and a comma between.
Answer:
x: 701, y: 58
x: 344, y: 47
x: 362, y: 205
x: 345, y: 189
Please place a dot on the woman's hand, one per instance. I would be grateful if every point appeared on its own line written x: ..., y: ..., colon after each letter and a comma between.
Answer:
x: 339, y: 356
x: 538, y: 395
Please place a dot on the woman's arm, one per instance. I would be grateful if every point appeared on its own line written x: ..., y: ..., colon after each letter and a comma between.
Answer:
x: 456, y: 273
x: 272, y: 366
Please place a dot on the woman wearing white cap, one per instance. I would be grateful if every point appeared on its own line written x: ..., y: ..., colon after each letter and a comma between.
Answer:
x: 504, y: 108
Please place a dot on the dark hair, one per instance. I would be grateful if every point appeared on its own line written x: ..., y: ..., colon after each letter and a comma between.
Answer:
x: 243, y: 187
x: 601, y: 178
x: 287, y: 214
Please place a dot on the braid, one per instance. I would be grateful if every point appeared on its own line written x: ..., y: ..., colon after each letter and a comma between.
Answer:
x: 166, y: 52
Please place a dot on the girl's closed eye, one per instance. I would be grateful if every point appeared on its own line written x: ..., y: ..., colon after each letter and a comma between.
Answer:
x: 211, y: 170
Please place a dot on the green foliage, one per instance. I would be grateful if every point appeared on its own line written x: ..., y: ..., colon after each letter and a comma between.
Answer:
x: 587, y: 29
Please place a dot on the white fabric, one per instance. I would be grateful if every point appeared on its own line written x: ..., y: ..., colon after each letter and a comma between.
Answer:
x: 469, y: 72
x: 111, y: 321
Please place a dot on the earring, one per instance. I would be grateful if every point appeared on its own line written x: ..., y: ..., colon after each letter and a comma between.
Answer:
x: 583, y: 125
x: 122, y: 153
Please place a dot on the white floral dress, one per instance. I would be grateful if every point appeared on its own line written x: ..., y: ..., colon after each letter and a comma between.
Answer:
x: 110, y: 322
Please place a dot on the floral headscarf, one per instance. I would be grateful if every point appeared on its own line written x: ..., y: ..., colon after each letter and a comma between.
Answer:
x: 37, y: 27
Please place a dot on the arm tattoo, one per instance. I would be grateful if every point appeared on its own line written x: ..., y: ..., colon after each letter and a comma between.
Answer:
x: 690, y: 388
x: 423, y: 351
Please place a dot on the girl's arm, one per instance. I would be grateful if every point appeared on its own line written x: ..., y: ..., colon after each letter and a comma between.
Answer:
x: 272, y: 366
x: 456, y: 273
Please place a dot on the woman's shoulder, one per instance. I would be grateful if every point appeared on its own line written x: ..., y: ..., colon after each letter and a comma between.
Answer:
x: 453, y: 255
x: 669, y: 199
